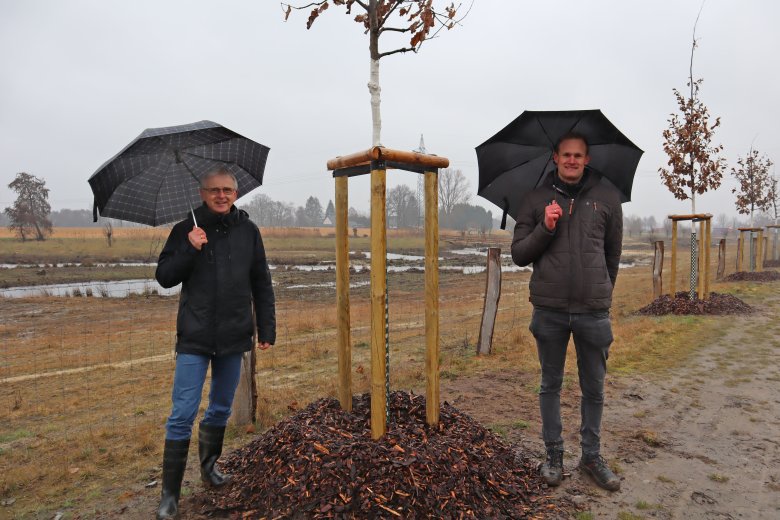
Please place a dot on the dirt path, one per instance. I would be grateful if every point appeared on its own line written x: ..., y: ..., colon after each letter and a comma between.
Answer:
x: 702, y: 442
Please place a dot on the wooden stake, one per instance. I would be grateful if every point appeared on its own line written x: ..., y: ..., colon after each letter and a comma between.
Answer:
x: 378, y: 286
x: 700, y: 260
x: 740, y: 250
x: 673, y: 273
x: 432, y: 297
x: 342, y: 294
x: 760, y: 251
x: 707, y: 252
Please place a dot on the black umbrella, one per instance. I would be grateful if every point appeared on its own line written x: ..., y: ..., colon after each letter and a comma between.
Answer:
x: 516, y: 159
x: 154, y: 180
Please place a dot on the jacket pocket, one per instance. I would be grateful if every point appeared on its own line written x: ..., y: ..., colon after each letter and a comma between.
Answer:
x: 595, y: 219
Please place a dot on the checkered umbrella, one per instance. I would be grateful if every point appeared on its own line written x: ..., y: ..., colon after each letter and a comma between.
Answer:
x: 155, y: 179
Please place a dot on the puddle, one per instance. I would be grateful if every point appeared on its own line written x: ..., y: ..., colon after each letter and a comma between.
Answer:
x: 117, y: 289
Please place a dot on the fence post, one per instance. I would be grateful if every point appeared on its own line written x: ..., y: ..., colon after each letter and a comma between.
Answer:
x: 721, y: 259
x: 492, y: 295
x: 658, y: 268
x: 245, y: 402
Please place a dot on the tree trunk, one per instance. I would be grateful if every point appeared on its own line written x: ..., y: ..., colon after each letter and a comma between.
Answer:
x: 373, y: 82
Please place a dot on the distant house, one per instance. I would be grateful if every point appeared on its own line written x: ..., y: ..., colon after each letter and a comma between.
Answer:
x: 327, y: 221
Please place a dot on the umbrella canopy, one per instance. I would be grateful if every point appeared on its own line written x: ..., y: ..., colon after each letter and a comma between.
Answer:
x: 155, y: 179
x: 516, y: 159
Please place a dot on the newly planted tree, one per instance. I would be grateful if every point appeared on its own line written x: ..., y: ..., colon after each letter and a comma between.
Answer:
x: 419, y: 20
x: 694, y: 166
x: 754, y: 190
x: 30, y: 212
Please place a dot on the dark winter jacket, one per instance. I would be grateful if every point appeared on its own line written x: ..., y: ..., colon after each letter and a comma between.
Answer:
x: 575, y: 265
x: 219, y: 284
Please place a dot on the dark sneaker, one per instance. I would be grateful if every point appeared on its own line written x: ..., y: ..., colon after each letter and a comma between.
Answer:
x: 597, y: 468
x: 552, y: 469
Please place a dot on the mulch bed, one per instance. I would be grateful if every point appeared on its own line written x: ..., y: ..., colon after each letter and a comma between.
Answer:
x: 322, y: 463
x: 753, y: 276
x: 717, y: 304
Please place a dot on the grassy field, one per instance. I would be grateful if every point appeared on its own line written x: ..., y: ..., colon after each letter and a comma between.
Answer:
x: 85, y: 382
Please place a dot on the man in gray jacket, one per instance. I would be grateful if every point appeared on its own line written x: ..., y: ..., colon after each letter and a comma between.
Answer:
x: 571, y: 229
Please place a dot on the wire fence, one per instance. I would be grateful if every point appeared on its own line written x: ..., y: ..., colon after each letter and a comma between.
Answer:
x: 85, y: 381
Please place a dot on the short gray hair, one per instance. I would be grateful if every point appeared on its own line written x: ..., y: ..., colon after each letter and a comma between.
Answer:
x: 221, y: 170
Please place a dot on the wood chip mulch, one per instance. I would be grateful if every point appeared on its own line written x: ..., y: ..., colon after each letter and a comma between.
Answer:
x: 753, y: 276
x: 716, y: 304
x: 321, y: 462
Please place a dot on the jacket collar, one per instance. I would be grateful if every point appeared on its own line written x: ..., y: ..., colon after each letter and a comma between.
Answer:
x: 208, y: 218
x: 589, y: 179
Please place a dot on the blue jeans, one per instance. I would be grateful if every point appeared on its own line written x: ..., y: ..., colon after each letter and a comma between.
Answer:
x: 188, y: 386
x: 592, y: 337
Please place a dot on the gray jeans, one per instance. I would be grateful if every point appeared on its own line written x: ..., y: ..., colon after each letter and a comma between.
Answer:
x: 592, y: 337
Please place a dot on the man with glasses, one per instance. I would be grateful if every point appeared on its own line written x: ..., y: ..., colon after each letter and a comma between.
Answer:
x: 221, y: 264
x: 571, y: 229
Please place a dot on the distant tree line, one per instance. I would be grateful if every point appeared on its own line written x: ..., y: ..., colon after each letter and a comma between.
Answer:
x: 723, y: 225
x: 404, y: 209
x: 31, y: 217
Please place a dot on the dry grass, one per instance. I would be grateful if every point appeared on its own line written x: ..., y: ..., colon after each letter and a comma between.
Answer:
x: 90, y: 430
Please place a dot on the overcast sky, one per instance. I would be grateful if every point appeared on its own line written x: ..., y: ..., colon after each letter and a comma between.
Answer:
x: 81, y: 79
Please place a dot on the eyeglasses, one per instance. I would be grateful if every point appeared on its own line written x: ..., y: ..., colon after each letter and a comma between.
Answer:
x: 217, y: 191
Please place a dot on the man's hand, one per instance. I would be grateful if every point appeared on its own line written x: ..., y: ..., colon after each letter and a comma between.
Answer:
x: 551, y: 215
x: 197, y: 237
x: 263, y: 345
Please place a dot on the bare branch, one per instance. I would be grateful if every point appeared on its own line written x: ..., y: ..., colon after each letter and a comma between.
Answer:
x: 300, y: 7
x: 405, y: 49
x: 394, y: 29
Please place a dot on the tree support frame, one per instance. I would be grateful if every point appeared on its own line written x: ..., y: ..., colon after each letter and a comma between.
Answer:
x: 375, y: 161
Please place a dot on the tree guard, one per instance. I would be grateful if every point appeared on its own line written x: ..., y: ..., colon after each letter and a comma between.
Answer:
x: 700, y: 257
x: 376, y: 161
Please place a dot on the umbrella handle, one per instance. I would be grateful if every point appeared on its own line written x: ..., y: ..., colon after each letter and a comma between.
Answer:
x: 193, y: 216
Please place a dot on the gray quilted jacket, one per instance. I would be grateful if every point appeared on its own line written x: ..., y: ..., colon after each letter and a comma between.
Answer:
x: 575, y: 265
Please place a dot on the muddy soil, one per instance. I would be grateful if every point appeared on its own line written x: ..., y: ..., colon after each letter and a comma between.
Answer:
x: 699, y: 442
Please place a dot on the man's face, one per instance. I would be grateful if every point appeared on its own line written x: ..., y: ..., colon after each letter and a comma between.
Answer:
x: 219, y: 193
x: 571, y: 160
